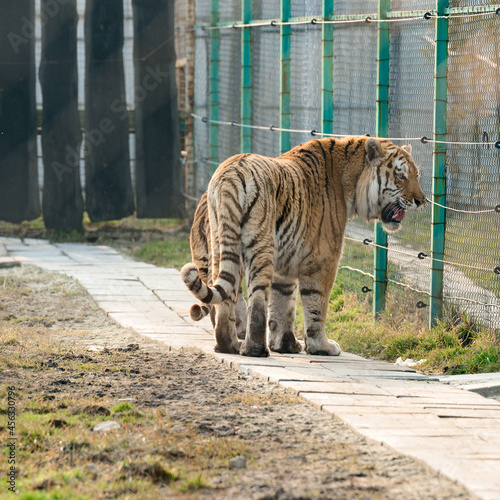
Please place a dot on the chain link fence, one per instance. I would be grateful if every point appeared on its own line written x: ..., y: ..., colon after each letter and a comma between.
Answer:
x: 471, y: 259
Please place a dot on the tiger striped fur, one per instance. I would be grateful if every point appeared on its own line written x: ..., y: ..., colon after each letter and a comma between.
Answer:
x: 283, y: 220
x: 199, y: 243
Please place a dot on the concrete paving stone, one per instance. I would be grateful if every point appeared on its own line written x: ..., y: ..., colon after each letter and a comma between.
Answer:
x: 400, y: 425
x: 436, y: 448
x: 237, y: 361
x: 468, y: 379
x: 178, y: 330
x: 146, y: 321
x: 37, y: 242
x: 480, y: 424
x: 280, y: 374
x: 164, y: 282
x: 51, y: 264
x: 174, y: 340
x: 176, y: 295
x: 348, y: 399
x: 459, y: 413
x: 182, y: 309
x: 82, y: 247
x: 7, y: 240
x: 486, y: 389
x: 342, y: 387
x: 131, y: 306
x: 22, y: 249
x: 204, y: 323
x: 308, y: 373
x: 43, y: 257
x: 137, y: 266
x: 100, y: 292
x: 344, y: 357
x: 157, y: 272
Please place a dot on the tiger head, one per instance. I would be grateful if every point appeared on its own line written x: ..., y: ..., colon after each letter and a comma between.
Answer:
x: 388, y: 185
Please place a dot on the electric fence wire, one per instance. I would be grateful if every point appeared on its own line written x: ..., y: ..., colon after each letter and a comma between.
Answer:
x: 423, y: 256
x: 314, y: 133
x: 319, y: 21
x: 424, y: 292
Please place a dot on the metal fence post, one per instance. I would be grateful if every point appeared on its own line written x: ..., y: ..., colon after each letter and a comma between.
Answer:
x: 285, y: 64
x: 214, y: 85
x: 439, y: 164
x: 380, y: 236
x: 327, y: 69
x: 246, y: 77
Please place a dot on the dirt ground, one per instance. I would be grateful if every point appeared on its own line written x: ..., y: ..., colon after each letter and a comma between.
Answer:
x: 192, y: 417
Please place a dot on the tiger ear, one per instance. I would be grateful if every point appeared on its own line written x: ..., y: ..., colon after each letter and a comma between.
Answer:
x: 373, y: 149
x: 407, y: 148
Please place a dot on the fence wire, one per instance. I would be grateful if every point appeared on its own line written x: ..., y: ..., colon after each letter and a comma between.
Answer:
x: 472, y: 251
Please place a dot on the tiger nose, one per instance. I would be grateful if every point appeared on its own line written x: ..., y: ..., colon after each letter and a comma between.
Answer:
x: 420, y: 201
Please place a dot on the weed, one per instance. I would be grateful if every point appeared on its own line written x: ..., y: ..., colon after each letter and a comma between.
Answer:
x: 194, y: 483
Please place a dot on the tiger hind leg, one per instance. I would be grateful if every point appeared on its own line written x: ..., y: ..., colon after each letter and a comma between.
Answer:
x: 314, y: 295
x: 225, y: 328
x: 241, y: 316
x: 259, y: 280
x: 282, y: 306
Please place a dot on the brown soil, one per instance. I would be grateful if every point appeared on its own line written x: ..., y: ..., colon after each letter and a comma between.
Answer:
x: 192, y: 414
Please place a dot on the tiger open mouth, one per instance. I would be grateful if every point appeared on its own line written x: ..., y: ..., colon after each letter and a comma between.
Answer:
x: 393, y: 213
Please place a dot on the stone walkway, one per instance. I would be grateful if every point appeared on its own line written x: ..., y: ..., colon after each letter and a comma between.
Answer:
x: 453, y: 430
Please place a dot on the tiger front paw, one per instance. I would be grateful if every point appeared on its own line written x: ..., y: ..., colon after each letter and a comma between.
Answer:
x: 254, y: 350
x: 325, y: 348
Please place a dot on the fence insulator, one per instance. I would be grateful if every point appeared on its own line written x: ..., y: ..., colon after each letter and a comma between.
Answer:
x: 497, y: 209
x: 367, y: 241
x: 425, y: 140
x: 421, y: 305
x: 427, y: 15
x: 365, y: 289
x: 497, y: 270
x: 497, y: 144
x: 422, y: 255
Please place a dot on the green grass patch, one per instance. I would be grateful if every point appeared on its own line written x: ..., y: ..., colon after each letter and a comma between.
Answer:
x: 169, y: 253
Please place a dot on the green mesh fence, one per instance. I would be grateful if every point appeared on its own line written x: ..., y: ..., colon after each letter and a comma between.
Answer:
x: 471, y: 259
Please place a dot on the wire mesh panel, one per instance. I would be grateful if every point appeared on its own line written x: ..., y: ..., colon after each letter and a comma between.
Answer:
x: 310, y: 8
x: 201, y: 95
x: 229, y: 92
x: 354, y: 112
x: 266, y: 89
x: 473, y: 171
x: 343, y: 7
x: 354, y: 79
x: 411, y: 97
x: 266, y: 9
x: 408, y: 5
x: 305, y: 94
x: 229, y: 11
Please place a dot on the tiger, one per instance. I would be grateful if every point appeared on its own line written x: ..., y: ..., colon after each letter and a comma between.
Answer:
x: 283, y: 220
